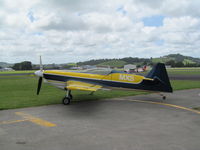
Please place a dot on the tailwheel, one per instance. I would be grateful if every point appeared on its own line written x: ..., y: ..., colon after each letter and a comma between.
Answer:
x: 163, y: 96
x: 91, y: 93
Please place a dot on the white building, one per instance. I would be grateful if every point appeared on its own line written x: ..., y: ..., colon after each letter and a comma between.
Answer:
x: 129, y: 67
x: 6, y: 69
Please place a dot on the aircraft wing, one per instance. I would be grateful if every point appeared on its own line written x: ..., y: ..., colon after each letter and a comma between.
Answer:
x: 79, y: 85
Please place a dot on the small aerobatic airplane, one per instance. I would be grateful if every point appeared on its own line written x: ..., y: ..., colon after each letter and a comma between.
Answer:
x: 92, y: 80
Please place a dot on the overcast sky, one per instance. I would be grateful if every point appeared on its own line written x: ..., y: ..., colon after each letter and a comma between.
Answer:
x: 76, y: 30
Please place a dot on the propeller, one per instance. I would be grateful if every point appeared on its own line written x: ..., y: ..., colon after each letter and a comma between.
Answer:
x: 39, y: 85
x: 39, y: 73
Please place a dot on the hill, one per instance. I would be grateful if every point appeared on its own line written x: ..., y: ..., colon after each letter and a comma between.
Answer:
x: 181, y: 60
x: 172, y: 59
x: 4, y: 64
x: 177, y: 58
x: 116, y: 62
x: 113, y: 63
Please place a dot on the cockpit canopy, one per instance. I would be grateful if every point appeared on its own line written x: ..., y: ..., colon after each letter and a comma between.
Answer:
x: 101, y: 71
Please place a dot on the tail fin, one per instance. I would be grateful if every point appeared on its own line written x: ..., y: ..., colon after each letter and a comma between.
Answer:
x: 159, y: 73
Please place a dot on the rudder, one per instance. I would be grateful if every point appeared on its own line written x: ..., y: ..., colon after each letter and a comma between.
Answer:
x: 159, y: 72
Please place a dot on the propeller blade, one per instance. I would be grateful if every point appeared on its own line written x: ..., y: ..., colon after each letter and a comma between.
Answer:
x: 39, y: 85
x: 41, y: 66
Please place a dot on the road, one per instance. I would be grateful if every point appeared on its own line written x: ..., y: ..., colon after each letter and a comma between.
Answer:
x: 137, y: 122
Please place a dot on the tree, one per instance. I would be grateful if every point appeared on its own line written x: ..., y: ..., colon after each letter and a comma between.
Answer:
x: 171, y: 63
x: 66, y: 66
x: 25, y: 65
x: 145, y: 62
x: 179, y: 64
x: 16, y: 66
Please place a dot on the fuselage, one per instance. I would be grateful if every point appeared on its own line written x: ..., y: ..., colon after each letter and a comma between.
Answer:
x: 110, y: 81
x: 156, y: 80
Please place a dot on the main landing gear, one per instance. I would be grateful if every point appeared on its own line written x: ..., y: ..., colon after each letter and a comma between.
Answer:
x: 67, y: 99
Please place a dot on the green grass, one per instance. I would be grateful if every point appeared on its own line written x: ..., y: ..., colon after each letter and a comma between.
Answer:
x: 162, y: 59
x: 185, y: 84
x: 71, y: 64
x: 166, y: 59
x: 184, y: 71
x: 188, y: 61
x: 21, y: 92
x: 17, y: 72
x: 181, y: 72
x: 114, y: 63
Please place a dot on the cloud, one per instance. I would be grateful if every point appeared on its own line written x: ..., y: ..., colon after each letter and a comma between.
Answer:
x: 66, y: 31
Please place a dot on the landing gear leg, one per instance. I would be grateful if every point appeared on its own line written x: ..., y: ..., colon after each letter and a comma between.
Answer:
x: 67, y: 99
x: 91, y: 93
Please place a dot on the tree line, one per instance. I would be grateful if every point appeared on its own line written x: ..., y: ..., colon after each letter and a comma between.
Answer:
x: 25, y: 65
x: 173, y: 63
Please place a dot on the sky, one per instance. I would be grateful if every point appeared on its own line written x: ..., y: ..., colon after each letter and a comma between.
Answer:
x: 64, y: 31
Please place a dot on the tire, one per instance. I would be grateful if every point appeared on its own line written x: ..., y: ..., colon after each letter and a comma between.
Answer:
x: 66, y: 101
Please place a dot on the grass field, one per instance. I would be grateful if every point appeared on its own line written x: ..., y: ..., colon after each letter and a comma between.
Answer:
x: 184, y: 71
x: 179, y: 71
x: 17, y: 72
x: 18, y: 92
x: 21, y: 92
x: 113, y: 63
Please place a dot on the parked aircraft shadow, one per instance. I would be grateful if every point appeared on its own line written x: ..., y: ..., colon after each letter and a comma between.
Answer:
x: 85, y: 108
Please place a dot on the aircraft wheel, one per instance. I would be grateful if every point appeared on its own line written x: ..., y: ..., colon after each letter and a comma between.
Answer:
x: 66, y: 100
x: 164, y: 97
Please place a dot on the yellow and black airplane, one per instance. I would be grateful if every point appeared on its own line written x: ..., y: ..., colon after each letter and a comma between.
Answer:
x: 95, y: 79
